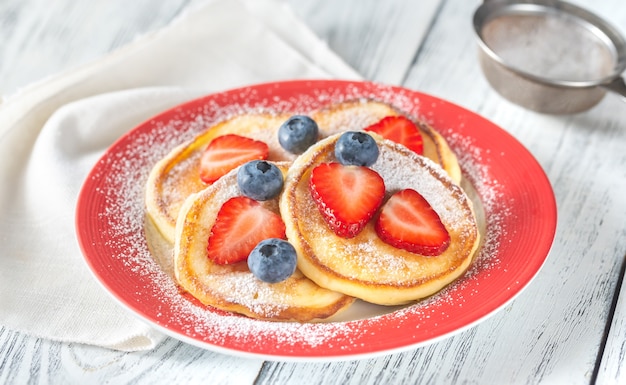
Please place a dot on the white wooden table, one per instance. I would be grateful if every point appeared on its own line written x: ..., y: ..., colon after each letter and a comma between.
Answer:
x: 567, y: 327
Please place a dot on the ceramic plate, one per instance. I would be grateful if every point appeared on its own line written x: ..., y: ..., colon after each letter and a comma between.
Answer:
x: 516, y: 196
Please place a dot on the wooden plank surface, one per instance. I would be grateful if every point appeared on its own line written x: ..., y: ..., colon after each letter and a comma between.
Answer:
x: 388, y: 33
x: 559, y: 322
x: 568, y: 327
x: 39, y: 39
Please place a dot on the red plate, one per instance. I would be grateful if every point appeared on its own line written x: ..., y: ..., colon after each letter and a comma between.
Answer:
x: 517, y: 197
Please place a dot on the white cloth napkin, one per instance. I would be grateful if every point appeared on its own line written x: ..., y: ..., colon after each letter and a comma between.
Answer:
x: 52, y: 133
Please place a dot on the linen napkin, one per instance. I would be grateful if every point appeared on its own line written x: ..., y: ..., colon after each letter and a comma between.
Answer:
x: 52, y: 133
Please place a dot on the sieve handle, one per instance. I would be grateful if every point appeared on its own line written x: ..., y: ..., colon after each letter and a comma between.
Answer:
x: 617, y: 85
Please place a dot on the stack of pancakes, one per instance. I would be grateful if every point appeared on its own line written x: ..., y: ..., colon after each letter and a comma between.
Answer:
x: 332, y: 271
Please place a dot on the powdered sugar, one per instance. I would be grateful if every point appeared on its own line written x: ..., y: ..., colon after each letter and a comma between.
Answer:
x: 123, y: 173
x: 394, y: 168
x: 486, y: 192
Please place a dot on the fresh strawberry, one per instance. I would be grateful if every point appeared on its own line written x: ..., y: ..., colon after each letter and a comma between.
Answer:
x: 407, y: 221
x: 346, y: 196
x: 226, y: 152
x: 400, y: 130
x: 240, y: 225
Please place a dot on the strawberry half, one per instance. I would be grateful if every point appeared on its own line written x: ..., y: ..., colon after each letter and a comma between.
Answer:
x: 407, y: 221
x: 240, y: 225
x: 346, y: 196
x: 226, y: 152
x: 401, y: 130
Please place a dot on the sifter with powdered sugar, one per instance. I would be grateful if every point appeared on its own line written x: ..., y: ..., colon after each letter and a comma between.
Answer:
x: 549, y: 56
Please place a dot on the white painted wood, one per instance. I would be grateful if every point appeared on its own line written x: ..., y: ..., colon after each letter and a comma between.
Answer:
x: 380, y: 38
x: 612, y: 368
x: 27, y: 358
x: 38, y: 39
x: 553, y: 333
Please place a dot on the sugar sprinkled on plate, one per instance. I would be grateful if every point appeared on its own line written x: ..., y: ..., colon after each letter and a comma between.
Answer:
x: 123, y: 189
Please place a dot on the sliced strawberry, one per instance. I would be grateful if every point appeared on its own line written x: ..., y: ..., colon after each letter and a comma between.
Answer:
x: 407, y: 221
x: 401, y: 130
x: 346, y: 196
x: 240, y: 225
x: 226, y: 152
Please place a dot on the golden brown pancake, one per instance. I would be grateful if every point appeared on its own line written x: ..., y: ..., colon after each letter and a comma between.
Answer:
x: 233, y: 287
x: 364, y: 266
x: 176, y: 176
x: 356, y: 115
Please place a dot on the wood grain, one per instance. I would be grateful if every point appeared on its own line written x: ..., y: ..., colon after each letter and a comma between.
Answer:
x: 39, y: 40
x: 43, y: 361
x: 567, y: 327
x: 378, y: 38
x: 559, y: 321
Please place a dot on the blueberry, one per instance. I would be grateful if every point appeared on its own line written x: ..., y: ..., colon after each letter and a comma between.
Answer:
x: 298, y: 133
x: 272, y: 260
x: 356, y: 148
x: 260, y: 180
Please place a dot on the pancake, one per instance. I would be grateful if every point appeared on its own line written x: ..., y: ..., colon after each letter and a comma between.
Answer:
x: 354, y: 115
x: 233, y: 287
x: 365, y: 267
x: 176, y: 176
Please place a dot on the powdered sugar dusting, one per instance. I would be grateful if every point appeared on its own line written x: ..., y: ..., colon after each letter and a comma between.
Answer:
x: 394, y: 168
x: 122, y: 174
x: 488, y: 191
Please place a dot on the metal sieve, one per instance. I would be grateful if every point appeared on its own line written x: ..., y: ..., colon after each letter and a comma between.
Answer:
x: 549, y: 56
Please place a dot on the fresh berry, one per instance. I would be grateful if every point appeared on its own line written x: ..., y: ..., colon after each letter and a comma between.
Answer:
x: 272, y: 260
x: 260, y: 180
x: 240, y: 225
x: 356, y: 148
x: 407, y: 221
x: 298, y: 133
x: 401, y: 130
x: 226, y: 152
x: 346, y: 196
